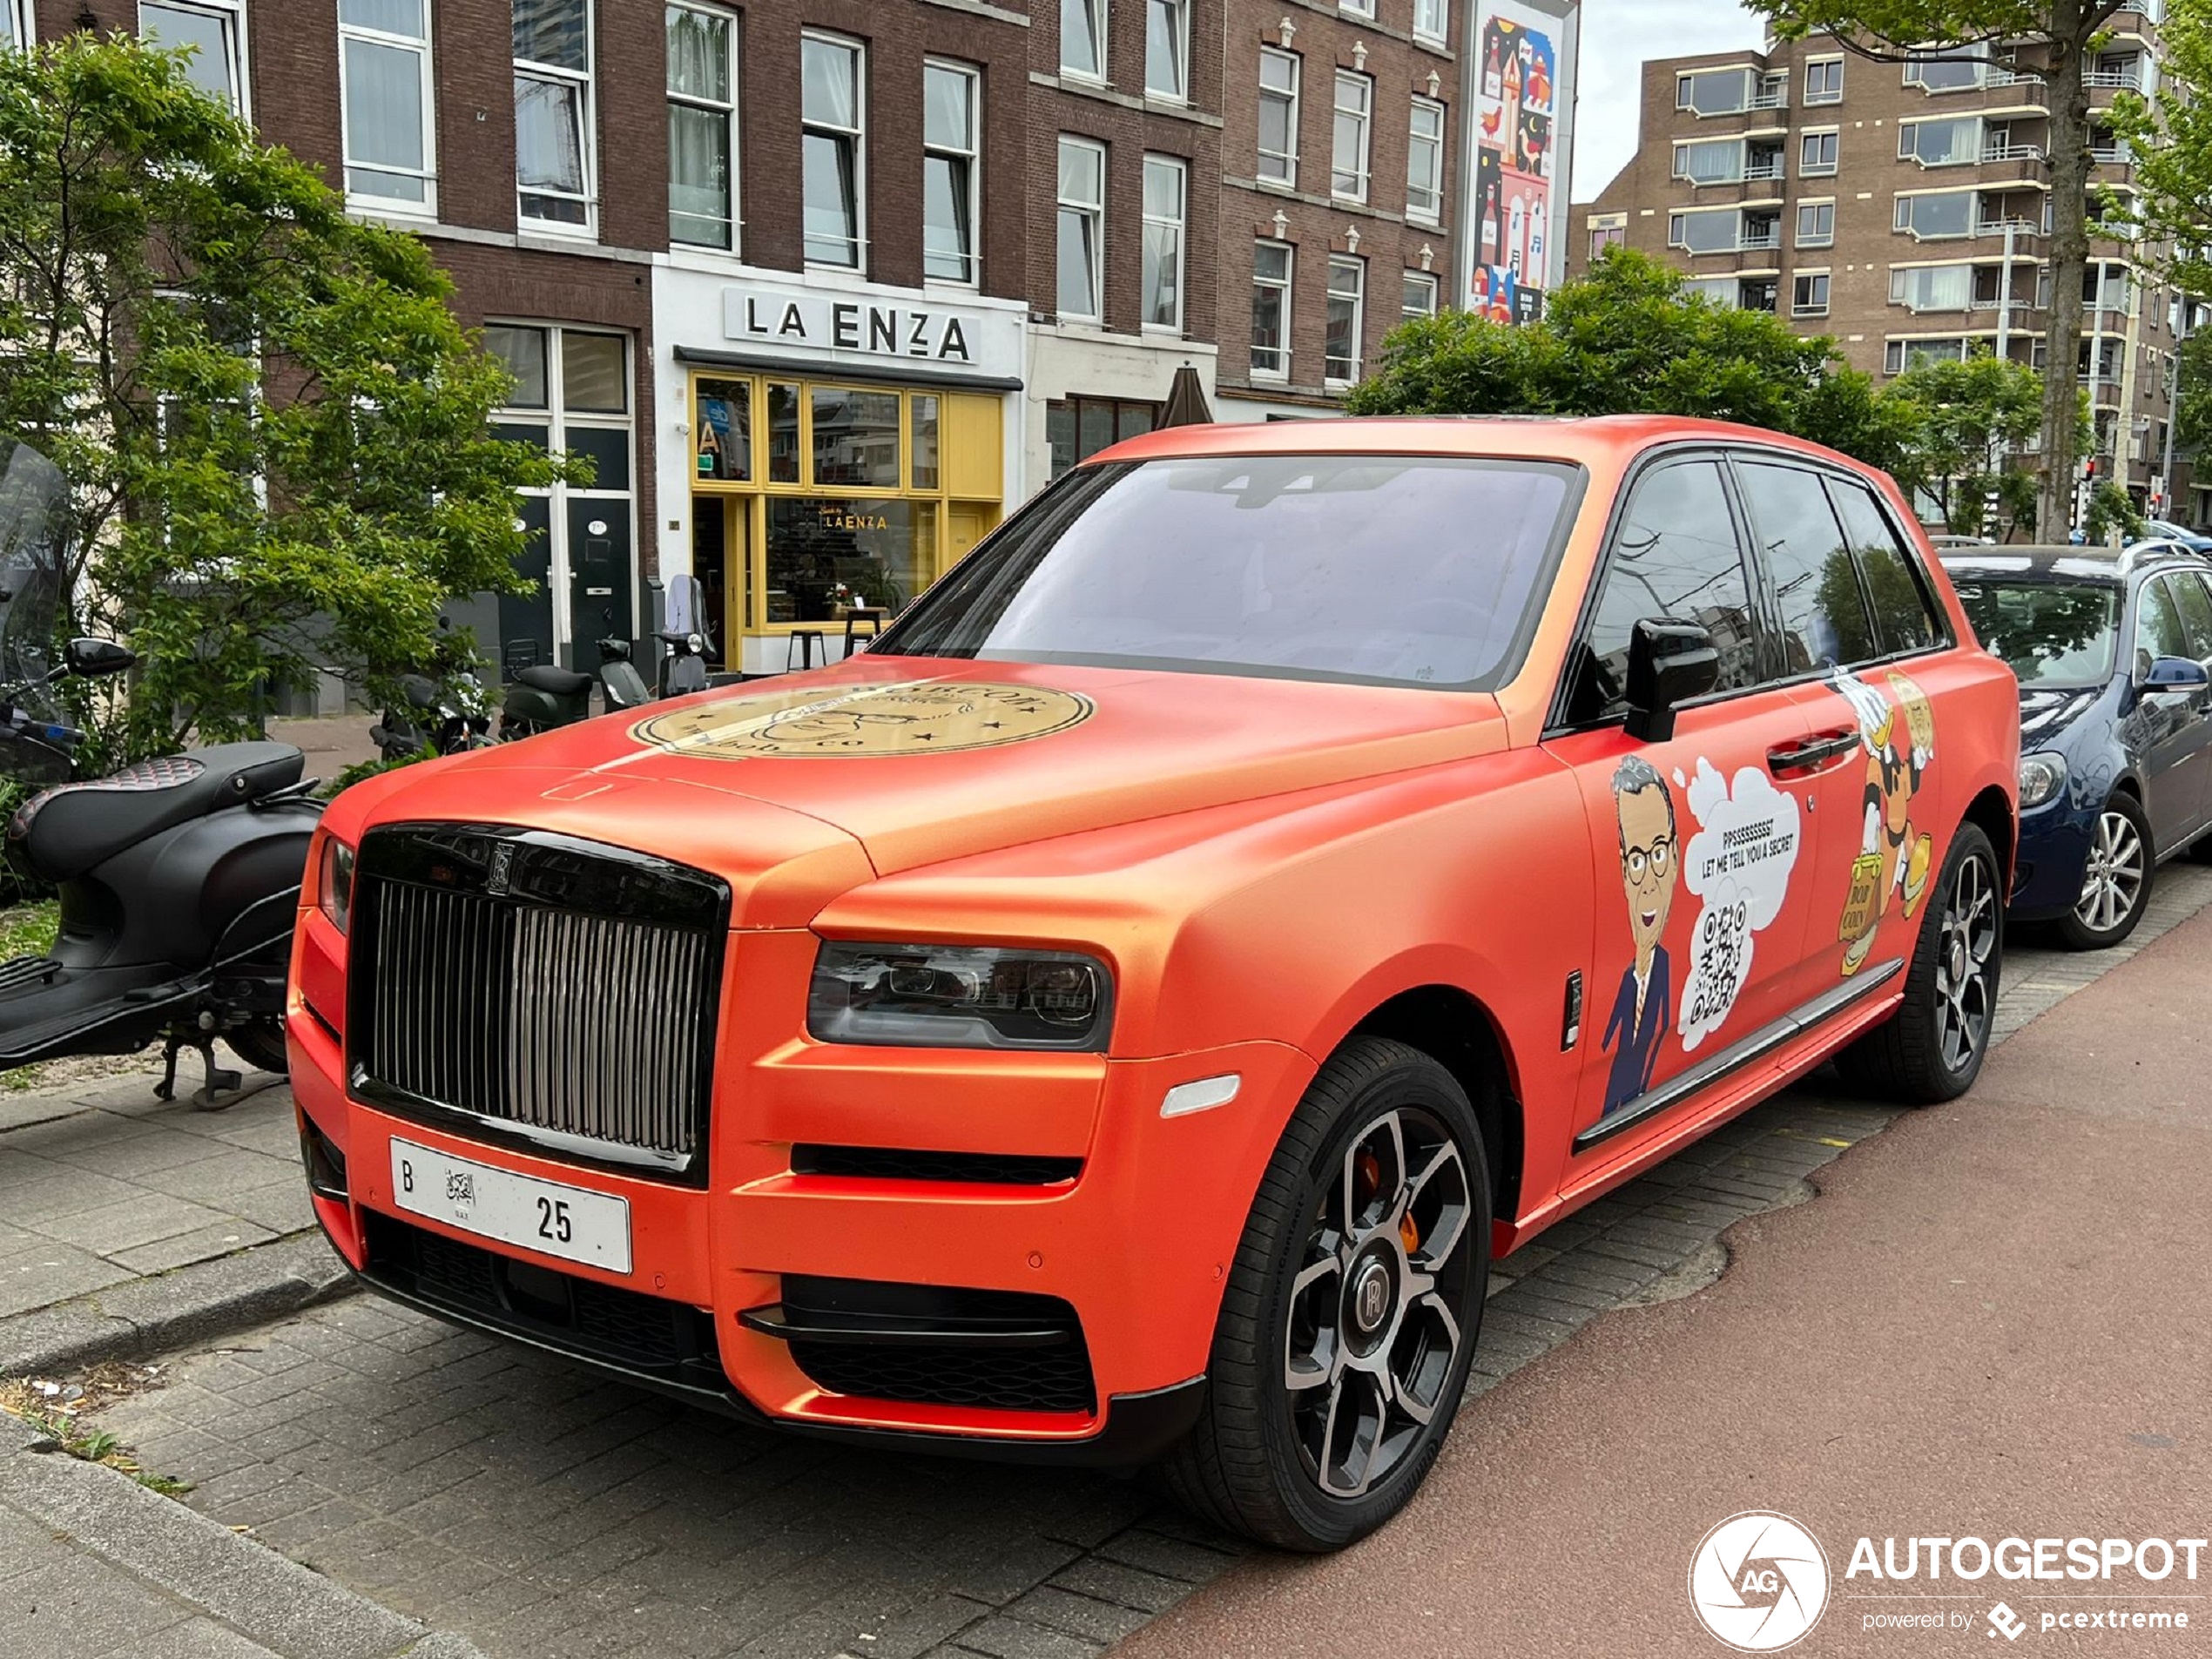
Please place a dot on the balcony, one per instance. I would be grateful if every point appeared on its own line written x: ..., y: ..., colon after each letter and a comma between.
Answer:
x: 2019, y: 229
x: 1998, y: 153
x: 2129, y: 79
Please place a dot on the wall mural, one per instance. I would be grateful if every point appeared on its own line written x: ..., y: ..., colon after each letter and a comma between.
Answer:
x: 1515, y: 140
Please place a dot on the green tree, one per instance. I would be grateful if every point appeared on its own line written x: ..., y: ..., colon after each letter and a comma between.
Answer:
x: 276, y: 435
x: 2064, y: 33
x: 2113, y: 508
x: 1628, y: 338
x: 1972, y: 415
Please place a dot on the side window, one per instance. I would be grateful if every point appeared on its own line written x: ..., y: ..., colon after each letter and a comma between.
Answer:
x: 2195, y: 600
x: 1904, y: 617
x: 1674, y: 555
x: 2158, y: 628
x: 1823, y: 614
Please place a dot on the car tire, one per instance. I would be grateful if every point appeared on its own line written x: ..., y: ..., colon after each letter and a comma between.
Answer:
x: 1383, y: 1131
x: 2117, y: 879
x: 260, y: 1044
x: 1932, y: 1050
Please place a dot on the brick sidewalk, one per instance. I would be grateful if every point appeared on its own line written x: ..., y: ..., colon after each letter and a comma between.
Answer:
x: 479, y: 1487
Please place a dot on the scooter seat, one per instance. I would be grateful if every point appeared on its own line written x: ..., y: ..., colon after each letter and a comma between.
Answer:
x: 560, y: 682
x: 74, y: 827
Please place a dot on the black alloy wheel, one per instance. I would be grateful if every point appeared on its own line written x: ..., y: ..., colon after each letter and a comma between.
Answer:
x: 1349, y: 1323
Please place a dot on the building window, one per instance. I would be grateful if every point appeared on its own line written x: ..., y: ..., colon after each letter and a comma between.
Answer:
x: 15, y: 22
x: 1954, y: 142
x: 1605, y: 233
x: 1357, y: 8
x: 384, y: 80
x: 1429, y: 21
x: 951, y: 153
x: 210, y: 30
x: 831, y: 117
x: 1078, y: 427
x: 1167, y: 48
x: 1418, y: 296
x: 1816, y: 224
x: 555, y: 139
x: 1164, y: 179
x: 1355, y: 101
x: 1898, y: 355
x: 1817, y: 153
x: 702, y: 128
x: 1933, y: 287
x: 1938, y: 216
x: 1083, y: 38
x: 1347, y: 319
x: 1425, y: 163
x: 1809, y: 295
x: 1824, y: 81
x: 1278, y: 76
x: 1271, y: 267
x: 1082, y: 207
x: 1730, y: 92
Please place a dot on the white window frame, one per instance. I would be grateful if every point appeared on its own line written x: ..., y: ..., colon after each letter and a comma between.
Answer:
x: 1817, y: 239
x: 1428, y: 209
x: 858, y: 132
x: 728, y: 111
x: 973, y: 157
x: 1284, y: 286
x: 1180, y: 226
x: 1432, y: 21
x: 1815, y: 169
x: 1815, y: 99
x: 1908, y: 133
x: 1422, y: 279
x: 1179, y: 45
x: 1898, y: 351
x: 1811, y: 307
x: 1357, y: 8
x: 232, y: 13
x: 1101, y: 34
x: 422, y: 47
x: 1358, y: 294
x: 586, y: 80
x: 1901, y: 219
x: 23, y: 21
x: 1096, y: 212
x: 1364, y: 113
x: 1613, y: 226
x: 1288, y: 161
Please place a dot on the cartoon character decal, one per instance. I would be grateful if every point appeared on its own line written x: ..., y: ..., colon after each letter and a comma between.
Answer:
x: 1738, y: 864
x: 1898, y: 731
x: 1644, y: 812
x: 919, y: 717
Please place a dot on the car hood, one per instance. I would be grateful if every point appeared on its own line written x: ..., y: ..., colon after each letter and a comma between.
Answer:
x: 920, y: 760
x: 2044, y: 715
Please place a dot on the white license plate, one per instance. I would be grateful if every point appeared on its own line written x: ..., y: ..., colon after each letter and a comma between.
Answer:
x: 572, y: 1222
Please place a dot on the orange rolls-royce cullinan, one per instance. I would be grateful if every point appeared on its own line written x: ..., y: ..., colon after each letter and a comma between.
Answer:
x: 1120, y: 1017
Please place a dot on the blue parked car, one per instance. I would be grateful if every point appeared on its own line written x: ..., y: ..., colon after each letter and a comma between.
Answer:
x: 2113, y: 652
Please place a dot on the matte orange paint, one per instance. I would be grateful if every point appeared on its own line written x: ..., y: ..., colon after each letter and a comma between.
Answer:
x: 1262, y: 862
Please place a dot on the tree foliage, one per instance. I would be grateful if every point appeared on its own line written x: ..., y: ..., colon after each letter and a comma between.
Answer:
x: 2172, y: 145
x: 276, y: 435
x: 1968, y: 417
x: 1626, y: 339
x: 2066, y: 32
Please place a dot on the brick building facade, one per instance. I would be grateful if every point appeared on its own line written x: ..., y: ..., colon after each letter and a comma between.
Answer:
x: 1902, y: 208
x: 826, y: 287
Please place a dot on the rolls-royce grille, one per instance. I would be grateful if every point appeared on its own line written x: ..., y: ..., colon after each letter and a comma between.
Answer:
x: 582, y: 1028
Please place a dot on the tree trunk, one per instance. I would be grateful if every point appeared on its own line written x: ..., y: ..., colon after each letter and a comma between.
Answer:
x: 2069, y: 164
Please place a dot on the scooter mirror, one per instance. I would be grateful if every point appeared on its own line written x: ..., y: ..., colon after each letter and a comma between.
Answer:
x: 90, y: 658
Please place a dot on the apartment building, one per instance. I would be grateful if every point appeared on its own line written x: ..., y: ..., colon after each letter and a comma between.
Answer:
x: 1903, y: 208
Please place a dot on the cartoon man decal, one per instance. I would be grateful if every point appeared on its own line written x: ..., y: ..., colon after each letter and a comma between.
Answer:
x: 1899, y: 741
x: 1649, y: 868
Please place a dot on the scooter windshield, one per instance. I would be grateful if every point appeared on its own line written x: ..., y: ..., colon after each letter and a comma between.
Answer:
x: 34, y: 543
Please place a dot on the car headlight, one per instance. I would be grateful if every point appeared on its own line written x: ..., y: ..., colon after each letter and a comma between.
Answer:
x: 960, y: 996
x: 334, y: 882
x: 2040, y: 777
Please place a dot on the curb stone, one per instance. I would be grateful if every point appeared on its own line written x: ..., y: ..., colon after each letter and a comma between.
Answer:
x: 287, y: 1609
x: 148, y: 1316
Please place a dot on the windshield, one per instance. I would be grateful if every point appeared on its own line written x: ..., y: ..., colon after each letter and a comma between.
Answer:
x: 2052, y: 634
x: 1418, y: 570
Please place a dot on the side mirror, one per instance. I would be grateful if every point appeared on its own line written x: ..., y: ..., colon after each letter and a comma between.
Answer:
x: 2176, y: 674
x: 90, y: 658
x: 1669, y: 664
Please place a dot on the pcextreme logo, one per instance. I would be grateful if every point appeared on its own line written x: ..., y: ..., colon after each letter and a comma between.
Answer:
x: 1759, y: 1581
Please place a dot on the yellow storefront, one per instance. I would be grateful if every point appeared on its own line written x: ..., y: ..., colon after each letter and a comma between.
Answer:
x: 815, y: 498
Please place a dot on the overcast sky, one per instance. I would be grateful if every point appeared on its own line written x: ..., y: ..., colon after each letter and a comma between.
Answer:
x: 1617, y: 36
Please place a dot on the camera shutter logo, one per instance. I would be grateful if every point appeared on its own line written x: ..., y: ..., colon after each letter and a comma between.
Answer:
x: 1758, y: 1581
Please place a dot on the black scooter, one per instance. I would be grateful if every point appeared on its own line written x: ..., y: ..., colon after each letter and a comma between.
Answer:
x: 445, y: 719
x: 179, y: 876
x: 545, y: 698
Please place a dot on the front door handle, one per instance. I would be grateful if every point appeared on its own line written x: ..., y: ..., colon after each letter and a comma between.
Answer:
x: 1813, y: 753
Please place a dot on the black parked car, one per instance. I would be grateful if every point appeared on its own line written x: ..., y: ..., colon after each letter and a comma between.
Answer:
x: 2113, y: 651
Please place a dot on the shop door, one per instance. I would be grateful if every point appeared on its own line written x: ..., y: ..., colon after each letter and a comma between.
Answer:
x: 599, y: 599
x: 526, y: 619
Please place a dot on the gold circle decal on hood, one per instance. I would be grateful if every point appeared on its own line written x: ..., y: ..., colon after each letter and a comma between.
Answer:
x: 908, y: 717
